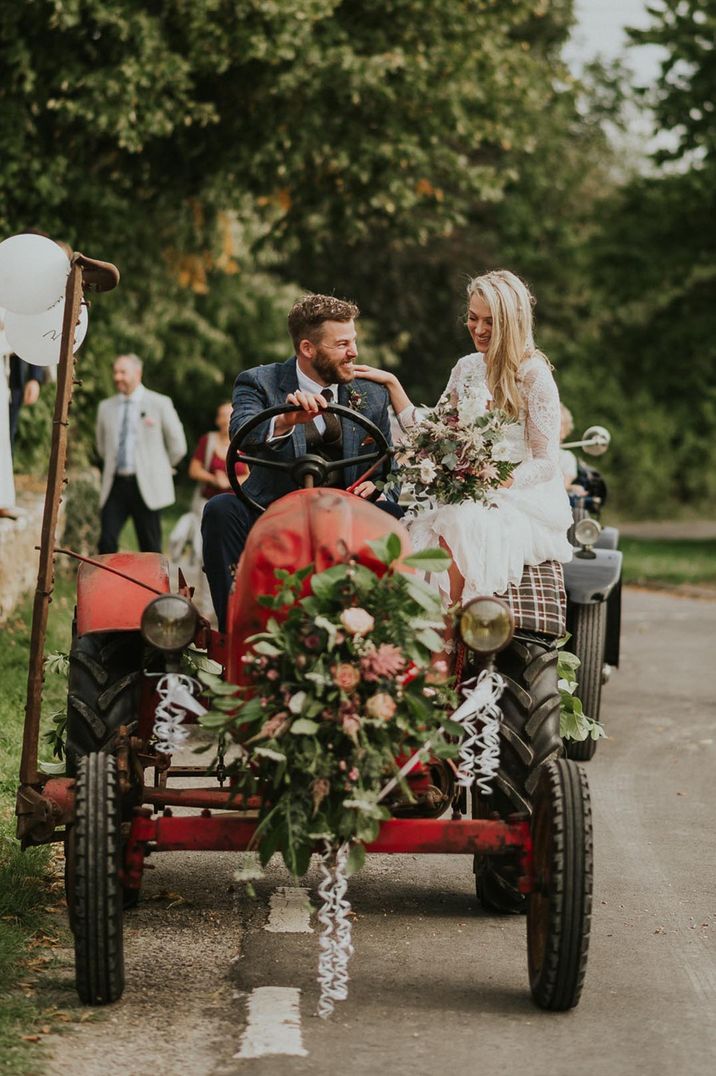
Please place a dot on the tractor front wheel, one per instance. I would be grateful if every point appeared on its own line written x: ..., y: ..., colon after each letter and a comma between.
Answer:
x: 96, y: 889
x: 560, y: 904
x: 103, y: 690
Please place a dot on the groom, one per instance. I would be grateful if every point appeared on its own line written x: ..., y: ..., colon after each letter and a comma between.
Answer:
x: 323, y: 332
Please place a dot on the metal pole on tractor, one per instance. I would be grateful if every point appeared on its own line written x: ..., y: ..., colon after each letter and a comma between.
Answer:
x: 87, y: 275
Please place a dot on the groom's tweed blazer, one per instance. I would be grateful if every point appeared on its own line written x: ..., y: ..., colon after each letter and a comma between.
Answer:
x: 268, y: 386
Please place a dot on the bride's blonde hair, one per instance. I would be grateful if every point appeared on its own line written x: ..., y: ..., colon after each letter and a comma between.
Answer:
x: 512, y: 340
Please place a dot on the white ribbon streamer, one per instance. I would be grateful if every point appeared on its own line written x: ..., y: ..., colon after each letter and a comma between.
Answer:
x: 176, y: 697
x: 480, y: 747
x: 335, y: 938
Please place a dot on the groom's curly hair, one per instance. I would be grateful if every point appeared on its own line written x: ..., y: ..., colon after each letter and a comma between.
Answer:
x: 307, y: 315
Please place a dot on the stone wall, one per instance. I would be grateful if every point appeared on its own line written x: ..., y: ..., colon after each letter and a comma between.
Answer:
x: 18, y: 556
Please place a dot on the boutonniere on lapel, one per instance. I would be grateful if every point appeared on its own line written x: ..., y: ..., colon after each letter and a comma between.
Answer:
x: 148, y: 420
x: 356, y: 398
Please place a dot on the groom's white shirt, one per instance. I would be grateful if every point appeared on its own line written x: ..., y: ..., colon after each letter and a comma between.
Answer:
x: 306, y: 384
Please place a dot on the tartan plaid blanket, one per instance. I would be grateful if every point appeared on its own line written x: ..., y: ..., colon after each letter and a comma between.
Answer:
x: 539, y: 601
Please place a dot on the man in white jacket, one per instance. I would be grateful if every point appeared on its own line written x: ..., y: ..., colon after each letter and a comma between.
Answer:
x: 140, y: 438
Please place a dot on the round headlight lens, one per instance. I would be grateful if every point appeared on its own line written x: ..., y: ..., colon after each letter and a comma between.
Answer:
x: 599, y: 438
x: 587, y: 531
x: 486, y: 625
x: 169, y: 622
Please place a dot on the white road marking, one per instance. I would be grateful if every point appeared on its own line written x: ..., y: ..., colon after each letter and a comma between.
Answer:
x: 274, y: 1023
x: 290, y: 911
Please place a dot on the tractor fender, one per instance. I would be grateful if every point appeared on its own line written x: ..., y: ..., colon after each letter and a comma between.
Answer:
x: 107, y: 601
x: 608, y: 539
x: 589, y: 580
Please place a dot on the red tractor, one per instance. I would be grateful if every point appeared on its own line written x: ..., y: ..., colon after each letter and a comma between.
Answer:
x: 530, y: 841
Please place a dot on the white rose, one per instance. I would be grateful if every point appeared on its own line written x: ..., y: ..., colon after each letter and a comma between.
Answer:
x: 428, y: 471
x: 501, y: 451
x: 473, y: 405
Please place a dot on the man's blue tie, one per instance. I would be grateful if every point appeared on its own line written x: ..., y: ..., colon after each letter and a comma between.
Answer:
x: 122, y: 460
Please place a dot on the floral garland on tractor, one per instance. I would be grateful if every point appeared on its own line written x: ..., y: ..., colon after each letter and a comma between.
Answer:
x: 340, y: 685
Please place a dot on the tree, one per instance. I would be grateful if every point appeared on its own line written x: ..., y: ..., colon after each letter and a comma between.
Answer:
x: 324, y: 128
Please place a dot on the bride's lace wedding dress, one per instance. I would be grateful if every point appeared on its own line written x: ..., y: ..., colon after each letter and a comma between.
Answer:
x: 527, y: 522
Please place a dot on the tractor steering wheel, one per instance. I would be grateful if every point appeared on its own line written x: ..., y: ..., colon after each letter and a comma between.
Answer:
x: 308, y: 470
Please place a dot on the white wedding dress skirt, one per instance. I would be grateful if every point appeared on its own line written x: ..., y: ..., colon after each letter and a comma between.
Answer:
x: 492, y: 545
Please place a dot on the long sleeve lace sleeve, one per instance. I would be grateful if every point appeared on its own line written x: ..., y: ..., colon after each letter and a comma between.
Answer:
x: 410, y: 415
x: 541, y: 426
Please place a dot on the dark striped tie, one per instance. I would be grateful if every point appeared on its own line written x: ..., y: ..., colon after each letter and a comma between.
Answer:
x: 333, y: 432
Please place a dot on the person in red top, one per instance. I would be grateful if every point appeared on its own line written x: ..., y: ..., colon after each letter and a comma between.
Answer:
x: 208, y: 464
x: 208, y: 469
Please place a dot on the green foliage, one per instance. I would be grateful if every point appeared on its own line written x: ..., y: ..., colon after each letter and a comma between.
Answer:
x: 574, y: 724
x: 26, y: 883
x: 230, y: 156
x: 213, y: 151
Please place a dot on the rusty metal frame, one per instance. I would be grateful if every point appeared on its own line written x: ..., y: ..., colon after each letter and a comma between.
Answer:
x: 422, y: 836
x: 86, y: 275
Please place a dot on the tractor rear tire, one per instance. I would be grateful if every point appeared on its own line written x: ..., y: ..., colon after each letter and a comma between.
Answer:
x: 103, y: 691
x: 560, y: 906
x: 96, y: 890
x: 587, y: 643
x: 529, y: 737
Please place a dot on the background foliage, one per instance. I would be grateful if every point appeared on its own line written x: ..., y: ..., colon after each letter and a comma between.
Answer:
x: 229, y: 156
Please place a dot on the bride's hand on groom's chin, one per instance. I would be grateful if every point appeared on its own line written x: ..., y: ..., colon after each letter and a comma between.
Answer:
x: 372, y: 373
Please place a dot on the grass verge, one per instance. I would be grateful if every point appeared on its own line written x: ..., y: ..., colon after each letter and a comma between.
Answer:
x: 669, y: 562
x: 29, y: 886
x: 35, y: 989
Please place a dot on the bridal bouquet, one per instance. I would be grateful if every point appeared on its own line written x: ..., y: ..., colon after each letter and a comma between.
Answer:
x: 457, y: 452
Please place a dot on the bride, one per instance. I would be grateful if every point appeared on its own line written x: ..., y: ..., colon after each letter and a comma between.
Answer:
x: 530, y: 514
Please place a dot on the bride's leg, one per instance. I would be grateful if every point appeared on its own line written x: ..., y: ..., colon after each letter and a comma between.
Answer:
x: 457, y: 584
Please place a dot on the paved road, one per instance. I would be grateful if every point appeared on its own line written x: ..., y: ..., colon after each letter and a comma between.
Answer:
x: 436, y: 985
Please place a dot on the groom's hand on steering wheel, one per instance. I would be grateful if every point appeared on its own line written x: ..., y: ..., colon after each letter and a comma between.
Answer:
x: 311, y: 405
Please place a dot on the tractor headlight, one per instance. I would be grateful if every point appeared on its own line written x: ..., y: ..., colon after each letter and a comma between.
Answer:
x: 486, y: 625
x: 586, y: 532
x: 169, y: 622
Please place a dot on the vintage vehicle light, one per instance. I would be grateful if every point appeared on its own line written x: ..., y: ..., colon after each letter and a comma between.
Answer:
x: 169, y: 622
x: 486, y: 625
x: 586, y: 531
x: 596, y: 440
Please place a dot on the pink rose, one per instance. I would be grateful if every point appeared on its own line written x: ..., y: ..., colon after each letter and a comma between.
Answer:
x: 320, y: 788
x: 345, y: 676
x: 273, y: 728
x: 381, y: 706
x: 383, y: 661
x: 351, y: 725
x: 437, y: 673
x: 357, y: 621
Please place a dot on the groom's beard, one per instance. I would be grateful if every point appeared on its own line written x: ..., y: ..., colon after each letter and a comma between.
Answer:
x: 329, y: 368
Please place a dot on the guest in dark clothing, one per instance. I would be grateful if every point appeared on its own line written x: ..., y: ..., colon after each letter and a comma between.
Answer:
x: 25, y: 381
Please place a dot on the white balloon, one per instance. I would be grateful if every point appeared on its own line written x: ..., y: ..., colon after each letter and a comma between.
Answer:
x: 36, y: 338
x: 33, y: 273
